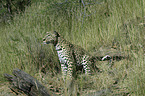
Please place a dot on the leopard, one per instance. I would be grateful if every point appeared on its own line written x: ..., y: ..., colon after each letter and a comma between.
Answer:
x: 72, y: 57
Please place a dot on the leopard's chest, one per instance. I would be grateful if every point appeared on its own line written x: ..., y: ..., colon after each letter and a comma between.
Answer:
x: 61, y: 55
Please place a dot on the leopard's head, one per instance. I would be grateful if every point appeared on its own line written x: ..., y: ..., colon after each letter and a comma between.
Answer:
x: 51, y: 38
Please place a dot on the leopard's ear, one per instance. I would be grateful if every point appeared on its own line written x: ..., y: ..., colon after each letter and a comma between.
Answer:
x: 56, y: 33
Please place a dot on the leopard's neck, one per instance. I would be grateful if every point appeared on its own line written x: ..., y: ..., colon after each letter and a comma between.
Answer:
x: 59, y: 44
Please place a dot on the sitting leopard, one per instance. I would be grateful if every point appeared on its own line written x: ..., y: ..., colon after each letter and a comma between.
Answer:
x: 70, y: 56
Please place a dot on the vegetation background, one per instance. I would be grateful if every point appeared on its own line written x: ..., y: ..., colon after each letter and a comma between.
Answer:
x: 92, y: 24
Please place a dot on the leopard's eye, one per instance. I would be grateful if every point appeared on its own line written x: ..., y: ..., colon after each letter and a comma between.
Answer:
x: 48, y: 35
x: 44, y: 39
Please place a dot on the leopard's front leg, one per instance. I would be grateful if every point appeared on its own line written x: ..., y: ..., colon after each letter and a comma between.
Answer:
x: 64, y: 68
x: 67, y: 69
x: 70, y: 70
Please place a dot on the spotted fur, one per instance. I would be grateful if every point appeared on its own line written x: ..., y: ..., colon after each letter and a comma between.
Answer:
x: 70, y: 56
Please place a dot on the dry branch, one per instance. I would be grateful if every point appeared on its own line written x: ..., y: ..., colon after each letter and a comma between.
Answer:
x: 22, y: 82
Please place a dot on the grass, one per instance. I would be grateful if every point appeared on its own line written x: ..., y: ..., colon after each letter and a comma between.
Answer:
x: 111, y: 23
